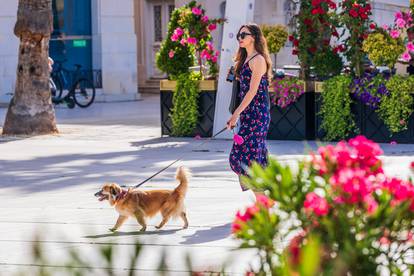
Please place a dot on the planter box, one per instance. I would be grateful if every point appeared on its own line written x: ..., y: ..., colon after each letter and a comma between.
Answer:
x: 295, y: 122
x: 206, y: 104
x: 372, y: 127
x: 368, y: 123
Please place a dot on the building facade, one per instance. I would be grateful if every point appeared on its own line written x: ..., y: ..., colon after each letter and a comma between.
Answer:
x: 118, y: 39
x: 97, y: 34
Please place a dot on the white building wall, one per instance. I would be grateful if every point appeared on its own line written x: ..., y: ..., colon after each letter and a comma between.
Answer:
x: 9, y: 47
x: 115, y: 48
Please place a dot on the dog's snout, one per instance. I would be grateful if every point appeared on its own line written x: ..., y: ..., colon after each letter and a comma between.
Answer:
x: 98, y: 194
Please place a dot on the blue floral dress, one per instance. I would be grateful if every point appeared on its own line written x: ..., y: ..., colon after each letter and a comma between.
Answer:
x: 253, y: 126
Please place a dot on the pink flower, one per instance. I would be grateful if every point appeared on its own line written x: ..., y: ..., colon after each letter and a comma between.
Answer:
x: 196, y: 11
x: 371, y: 204
x: 197, y: 137
x: 171, y: 54
x: 385, y: 27
x: 212, y: 27
x: 406, y: 56
x: 174, y: 37
x: 316, y: 204
x: 238, y: 139
x: 384, y: 241
x: 214, y: 59
x: 264, y: 201
x: 400, y: 22
x: 410, y: 47
x: 412, y: 165
x: 192, y: 40
x: 395, y: 33
x: 204, y: 18
x: 398, y: 14
x: 183, y: 41
x: 178, y: 31
x: 393, y: 142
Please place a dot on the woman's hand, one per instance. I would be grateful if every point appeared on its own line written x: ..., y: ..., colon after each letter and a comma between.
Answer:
x: 231, y: 123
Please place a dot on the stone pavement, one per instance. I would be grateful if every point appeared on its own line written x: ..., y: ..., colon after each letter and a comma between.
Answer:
x: 47, y: 185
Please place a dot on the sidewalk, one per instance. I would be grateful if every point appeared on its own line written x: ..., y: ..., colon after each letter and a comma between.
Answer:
x: 47, y: 186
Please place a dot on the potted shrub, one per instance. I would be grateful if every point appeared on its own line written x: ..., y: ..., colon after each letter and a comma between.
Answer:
x: 187, y: 97
x: 336, y: 213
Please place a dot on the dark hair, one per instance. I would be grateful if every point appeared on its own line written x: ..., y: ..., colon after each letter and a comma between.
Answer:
x: 260, y: 46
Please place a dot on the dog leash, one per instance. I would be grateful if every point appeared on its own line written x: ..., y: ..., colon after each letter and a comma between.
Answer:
x: 175, y: 161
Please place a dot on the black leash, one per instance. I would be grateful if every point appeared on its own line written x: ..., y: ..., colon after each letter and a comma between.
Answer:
x: 175, y: 161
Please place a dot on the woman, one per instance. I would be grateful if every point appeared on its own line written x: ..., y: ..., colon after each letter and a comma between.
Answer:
x: 253, y: 68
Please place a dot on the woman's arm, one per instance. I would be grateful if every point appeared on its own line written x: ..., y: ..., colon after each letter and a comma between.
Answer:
x: 258, y: 66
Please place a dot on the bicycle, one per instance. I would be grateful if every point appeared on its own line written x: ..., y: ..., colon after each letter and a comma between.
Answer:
x: 81, y: 90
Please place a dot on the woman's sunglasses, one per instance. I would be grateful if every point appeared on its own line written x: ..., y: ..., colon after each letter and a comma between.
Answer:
x: 242, y: 35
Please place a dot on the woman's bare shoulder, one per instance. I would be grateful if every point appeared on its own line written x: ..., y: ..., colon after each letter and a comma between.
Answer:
x: 258, y: 62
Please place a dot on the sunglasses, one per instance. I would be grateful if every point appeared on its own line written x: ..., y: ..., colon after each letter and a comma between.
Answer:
x: 242, y: 35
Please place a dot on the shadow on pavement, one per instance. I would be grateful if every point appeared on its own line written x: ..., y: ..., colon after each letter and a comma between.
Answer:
x: 214, y: 233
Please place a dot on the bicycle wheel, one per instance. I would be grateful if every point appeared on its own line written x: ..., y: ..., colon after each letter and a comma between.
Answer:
x: 84, y: 92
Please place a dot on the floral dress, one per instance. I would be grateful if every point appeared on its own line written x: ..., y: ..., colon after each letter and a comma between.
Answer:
x: 253, y: 126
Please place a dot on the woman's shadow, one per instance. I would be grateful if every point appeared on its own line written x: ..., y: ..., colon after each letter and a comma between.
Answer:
x: 214, y: 233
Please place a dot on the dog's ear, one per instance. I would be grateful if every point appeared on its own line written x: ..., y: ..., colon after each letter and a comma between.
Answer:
x: 112, y: 191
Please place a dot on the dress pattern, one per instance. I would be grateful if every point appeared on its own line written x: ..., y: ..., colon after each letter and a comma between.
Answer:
x: 253, y: 126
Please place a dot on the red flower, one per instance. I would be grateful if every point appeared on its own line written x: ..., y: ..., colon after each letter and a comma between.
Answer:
x: 295, y: 52
x: 412, y: 165
x: 353, y: 13
x: 335, y: 33
x: 372, y: 26
x: 307, y: 21
x: 291, y: 38
x: 312, y: 50
x: 315, y: 11
x: 296, y: 43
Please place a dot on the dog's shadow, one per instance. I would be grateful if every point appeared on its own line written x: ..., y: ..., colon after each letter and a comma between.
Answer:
x: 214, y: 233
x: 133, y: 233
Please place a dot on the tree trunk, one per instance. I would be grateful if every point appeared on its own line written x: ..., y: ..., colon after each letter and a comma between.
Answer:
x: 31, y: 111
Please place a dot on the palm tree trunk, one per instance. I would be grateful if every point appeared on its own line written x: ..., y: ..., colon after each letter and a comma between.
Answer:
x: 31, y: 111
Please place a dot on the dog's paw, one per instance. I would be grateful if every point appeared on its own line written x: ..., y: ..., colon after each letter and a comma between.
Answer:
x: 113, y: 230
x: 185, y: 226
x: 143, y: 229
x: 158, y: 227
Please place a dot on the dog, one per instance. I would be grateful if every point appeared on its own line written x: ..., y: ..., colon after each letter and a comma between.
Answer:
x: 145, y: 204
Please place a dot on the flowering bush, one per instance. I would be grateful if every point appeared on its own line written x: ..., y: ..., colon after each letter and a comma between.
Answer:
x: 383, y: 48
x: 355, y: 16
x: 403, y: 30
x: 338, y: 214
x: 315, y: 28
x: 370, y: 88
x: 286, y: 91
x: 189, y: 39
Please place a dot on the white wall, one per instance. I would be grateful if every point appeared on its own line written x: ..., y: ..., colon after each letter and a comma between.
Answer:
x: 9, y: 45
x: 115, y: 48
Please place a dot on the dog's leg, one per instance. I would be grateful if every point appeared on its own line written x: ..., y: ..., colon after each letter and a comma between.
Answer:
x: 163, y: 222
x: 141, y: 220
x: 183, y: 215
x: 119, y: 222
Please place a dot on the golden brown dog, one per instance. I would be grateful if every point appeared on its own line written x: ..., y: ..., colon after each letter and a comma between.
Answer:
x: 142, y: 204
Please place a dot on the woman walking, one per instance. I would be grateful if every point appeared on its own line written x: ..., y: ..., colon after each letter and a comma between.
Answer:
x: 253, y: 68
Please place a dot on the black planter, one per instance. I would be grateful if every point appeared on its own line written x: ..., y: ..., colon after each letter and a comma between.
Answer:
x: 206, y: 107
x: 295, y: 122
x: 373, y: 128
x: 368, y: 124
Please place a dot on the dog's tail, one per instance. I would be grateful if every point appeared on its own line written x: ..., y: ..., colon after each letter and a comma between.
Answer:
x: 182, y: 176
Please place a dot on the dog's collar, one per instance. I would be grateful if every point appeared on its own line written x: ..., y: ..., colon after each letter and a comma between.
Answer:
x: 121, y: 195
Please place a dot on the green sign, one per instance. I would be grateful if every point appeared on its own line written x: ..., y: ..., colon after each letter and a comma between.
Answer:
x: 79, y: 43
